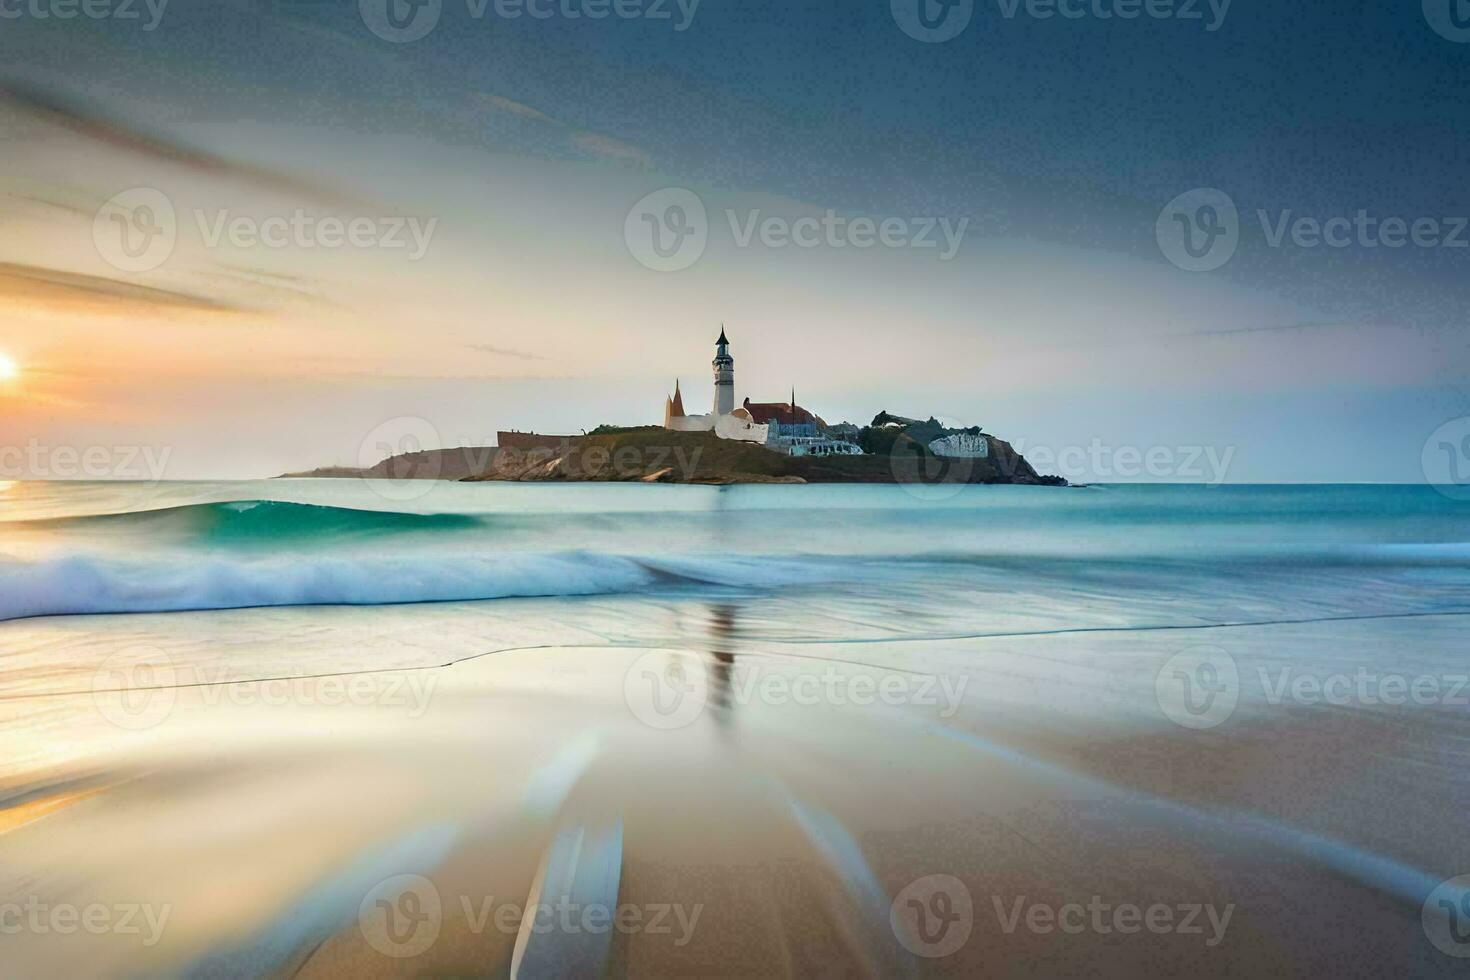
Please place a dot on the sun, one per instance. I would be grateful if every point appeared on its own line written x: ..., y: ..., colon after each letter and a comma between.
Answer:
x: 9, y: 370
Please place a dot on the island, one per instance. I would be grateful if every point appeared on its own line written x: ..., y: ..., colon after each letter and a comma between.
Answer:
x: 753, y: 442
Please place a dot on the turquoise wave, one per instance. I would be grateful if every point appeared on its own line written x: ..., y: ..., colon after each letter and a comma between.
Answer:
x: 263, y: 522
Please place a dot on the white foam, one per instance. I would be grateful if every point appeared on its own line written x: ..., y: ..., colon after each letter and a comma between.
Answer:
x: 90, y: 585
x: 81, y: 584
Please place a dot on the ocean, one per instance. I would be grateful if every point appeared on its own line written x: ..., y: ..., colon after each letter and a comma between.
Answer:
x: 270, y: 713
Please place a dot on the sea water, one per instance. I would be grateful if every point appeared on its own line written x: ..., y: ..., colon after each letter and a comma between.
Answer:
x: 1194, y: 674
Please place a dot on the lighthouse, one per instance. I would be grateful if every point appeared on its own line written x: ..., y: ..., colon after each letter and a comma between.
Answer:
x: 728, y: 420
x: 724, y: 366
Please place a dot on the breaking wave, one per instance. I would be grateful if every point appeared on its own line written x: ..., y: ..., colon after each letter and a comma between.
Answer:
x: 263, y: 521
x: 88, y: 585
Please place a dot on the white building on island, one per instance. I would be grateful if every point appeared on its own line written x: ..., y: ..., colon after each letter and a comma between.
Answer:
x: 781, y: 427
x: 725, y: 421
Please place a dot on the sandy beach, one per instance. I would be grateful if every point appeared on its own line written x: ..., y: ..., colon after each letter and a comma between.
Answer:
x: 764, y: 826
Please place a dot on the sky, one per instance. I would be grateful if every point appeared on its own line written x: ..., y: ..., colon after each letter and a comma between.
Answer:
x: 1094, y: 227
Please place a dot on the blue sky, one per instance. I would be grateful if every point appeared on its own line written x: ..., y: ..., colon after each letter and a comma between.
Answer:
x: 526, y: 142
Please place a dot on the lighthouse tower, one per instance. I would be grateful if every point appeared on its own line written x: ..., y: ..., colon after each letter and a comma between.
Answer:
x: 724, y: 366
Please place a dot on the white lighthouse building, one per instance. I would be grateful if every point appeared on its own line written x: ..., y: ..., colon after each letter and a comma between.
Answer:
x: 725, y: 420
x: 724, y: 366
x: 782, y: 427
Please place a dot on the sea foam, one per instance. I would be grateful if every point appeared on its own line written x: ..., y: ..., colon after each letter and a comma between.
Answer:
x: 81, y: 584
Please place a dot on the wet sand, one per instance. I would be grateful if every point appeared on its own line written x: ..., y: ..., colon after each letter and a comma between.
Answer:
x: 1049, y: 821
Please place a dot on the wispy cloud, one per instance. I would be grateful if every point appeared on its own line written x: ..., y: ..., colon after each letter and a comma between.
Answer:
x: 505, y: 352
x: 612, y: 149
x: 587, y: 141
x: 96, y: 125
x: 21, y: 202
x: 515, y: 108
x: 267, y: 281
x: 58, y: 289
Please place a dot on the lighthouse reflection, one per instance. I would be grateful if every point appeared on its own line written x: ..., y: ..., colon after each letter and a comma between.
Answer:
x: 721, y: 663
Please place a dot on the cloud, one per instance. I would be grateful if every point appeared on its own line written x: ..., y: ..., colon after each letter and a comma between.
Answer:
x: 597, y: 144
x: 96, y: 126
x: 31, y: 203
x: 55, y: 288
x: 505, y: 352
x: 1270, y: 328
x: 612, y: 149
x: 266, y: 281
x: 515, y: 108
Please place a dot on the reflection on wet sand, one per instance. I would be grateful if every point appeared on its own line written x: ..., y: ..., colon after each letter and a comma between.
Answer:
x: 722, y: 642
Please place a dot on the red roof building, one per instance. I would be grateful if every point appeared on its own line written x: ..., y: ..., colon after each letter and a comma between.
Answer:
x: 782, y: 413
